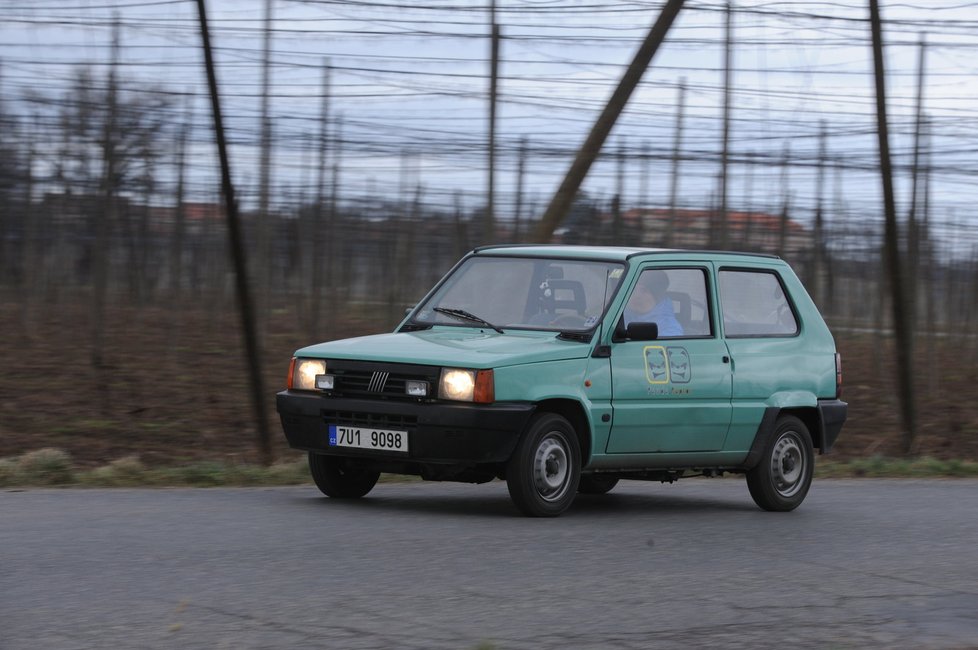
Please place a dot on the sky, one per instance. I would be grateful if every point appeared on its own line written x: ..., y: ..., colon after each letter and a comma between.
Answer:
x: 408, y: 96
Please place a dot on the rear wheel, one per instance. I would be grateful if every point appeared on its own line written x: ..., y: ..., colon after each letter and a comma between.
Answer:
x: 341, y: 478
x: 596, y: 484
x: 781, y: 480
x: 545, y: 469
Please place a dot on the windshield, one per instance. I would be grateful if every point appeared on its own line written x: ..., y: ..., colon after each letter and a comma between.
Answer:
x: 522, y: 293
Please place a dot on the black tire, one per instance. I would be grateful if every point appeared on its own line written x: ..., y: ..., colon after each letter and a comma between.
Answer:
x: 781, y: 480
x: 340, y: 478
x: 545, y: 469
x: 596, y: 484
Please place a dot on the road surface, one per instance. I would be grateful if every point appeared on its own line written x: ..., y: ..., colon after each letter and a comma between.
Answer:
x: 862, y: 564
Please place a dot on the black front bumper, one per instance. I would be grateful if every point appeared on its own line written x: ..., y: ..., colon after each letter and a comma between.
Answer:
x: 437, y: 432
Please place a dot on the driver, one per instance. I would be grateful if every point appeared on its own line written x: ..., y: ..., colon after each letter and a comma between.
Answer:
x: 649, y: 304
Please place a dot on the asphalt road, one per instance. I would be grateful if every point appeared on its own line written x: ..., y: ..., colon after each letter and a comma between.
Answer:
x: 862, y: 564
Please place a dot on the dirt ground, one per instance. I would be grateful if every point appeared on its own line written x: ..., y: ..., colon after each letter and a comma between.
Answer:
x: 173, y: 386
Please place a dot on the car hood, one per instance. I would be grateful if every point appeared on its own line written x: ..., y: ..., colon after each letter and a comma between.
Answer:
x: 463, y: 347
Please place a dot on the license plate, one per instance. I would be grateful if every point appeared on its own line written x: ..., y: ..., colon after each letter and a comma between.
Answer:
x: 364, y: 438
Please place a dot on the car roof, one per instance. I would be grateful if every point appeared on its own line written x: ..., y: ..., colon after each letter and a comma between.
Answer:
x: 612, y: 253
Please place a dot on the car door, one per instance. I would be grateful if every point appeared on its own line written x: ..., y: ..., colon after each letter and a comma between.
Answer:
x: 672, y: 394
x: 761, y: 330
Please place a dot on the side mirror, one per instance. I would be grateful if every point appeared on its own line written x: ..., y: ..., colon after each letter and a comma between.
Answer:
x: 642, y: 331
x: 635, y: 332
x: 408, y: 310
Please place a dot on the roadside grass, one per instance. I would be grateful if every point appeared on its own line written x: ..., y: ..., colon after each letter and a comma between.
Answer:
x: 883, y: 467
x: 54, y: 467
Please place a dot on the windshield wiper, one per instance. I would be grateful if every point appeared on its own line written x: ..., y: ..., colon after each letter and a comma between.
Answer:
x: 461, y: 314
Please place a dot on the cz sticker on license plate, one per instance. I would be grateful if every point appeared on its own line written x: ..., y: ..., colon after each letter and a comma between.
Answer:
x: 365, y: 438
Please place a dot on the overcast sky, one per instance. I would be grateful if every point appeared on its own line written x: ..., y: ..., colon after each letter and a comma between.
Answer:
x: 409, y: 82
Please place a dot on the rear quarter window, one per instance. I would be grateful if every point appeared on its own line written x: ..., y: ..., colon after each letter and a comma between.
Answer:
x: 754, y: 304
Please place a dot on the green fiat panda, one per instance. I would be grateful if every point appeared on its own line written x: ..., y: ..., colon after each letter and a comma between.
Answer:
x: 564, y: 369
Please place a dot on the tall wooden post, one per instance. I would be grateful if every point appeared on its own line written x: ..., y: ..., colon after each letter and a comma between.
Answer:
x: 819, y: 243
x: 901, y: 321
x: 785, y: 199
x: 617, y: 202
x: 520, y: 178
x: 321, y: 219
x: 460, y: 238
x: 744, y: 243
x: 30, y: 258
x: 913, y: 232
x: 339, y: 274
x: 489, y: 225
x: 643, y: 179
x: 6, y: 216
x: 176, y: 246
x: 930, y: 307
x: 248, y: 328
x: 721, y: 229
x: 677, y: 144
x: 644, y: 200
x: 100, y: 253
x: 264, y: 274
x: 565, y: 194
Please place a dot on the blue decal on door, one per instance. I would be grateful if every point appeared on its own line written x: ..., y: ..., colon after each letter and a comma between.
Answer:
x: 680, y: 369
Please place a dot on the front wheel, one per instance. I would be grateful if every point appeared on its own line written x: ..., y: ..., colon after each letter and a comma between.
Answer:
x: 340, y: 478
x: 543, y: 474
x: 780, y: 481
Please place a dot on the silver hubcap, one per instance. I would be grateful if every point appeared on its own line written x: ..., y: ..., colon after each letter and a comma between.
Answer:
x: 788, y: 464
x: 551, y: 467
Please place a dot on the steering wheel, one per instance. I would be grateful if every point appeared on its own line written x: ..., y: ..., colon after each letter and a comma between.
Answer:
x: 569, y: 320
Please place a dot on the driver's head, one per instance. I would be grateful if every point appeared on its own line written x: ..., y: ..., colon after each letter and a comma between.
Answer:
x: 654, y: 282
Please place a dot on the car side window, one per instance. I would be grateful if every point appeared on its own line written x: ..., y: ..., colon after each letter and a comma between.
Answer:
x: 675, y: 299
x: 753, y: 303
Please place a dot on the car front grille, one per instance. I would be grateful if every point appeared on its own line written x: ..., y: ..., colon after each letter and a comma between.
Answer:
x: 370, y: 420
x: 379, y: 380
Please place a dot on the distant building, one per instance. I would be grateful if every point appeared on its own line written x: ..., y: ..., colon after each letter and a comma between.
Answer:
x: 196, y: 217
x: 748, y: 231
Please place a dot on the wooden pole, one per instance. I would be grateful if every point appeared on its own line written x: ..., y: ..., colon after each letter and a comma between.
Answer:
x: 643, y: 181
x: 567, y: 191
x: 489, y: 225
x: 677, y: 144
x: 248, y: 328
x: 321, y: 223
x: 264, y: 236
x: 901, y: 320
x: 819, y: 244
x: 339, y: 274
x: 617, y: 234
x: 744, y: 243
x: 101, y: 256
x: 930, y: 279
x: 179, y: 217
x: 785, y: 198
x: 913, y: 232
x: 30, y: 259
x: 721, y: 230
x: 520, y: 179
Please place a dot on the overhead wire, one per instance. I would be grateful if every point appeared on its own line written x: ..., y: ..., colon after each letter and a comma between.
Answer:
x: 399, y: 95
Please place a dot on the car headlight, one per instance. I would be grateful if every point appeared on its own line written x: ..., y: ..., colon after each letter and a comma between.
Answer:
x: 304, y: 372
x: 464, y: 385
